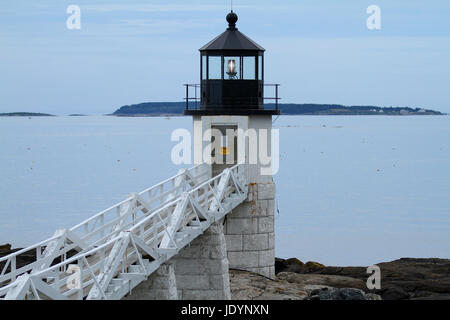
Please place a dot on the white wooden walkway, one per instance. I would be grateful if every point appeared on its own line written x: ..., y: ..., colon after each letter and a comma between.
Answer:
x: 109, y: 254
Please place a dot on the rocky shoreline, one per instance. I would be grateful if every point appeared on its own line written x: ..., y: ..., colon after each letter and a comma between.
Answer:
x: 291, y: 286
x: 403, y: 279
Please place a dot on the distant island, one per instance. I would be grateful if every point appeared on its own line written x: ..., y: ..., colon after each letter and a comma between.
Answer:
x: 158, y: 109
x: 167, y: 109
x: 26, y: 114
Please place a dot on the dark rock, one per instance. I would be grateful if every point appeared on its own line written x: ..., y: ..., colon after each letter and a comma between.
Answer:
x: 341, y: 294
x: 322, y: 280
x: 5, y: 248
x: 297, y: 266
x: 312, y: 266
x: 289, y: 265
x: 407, y: 278
x: 393, y: 293
x: 280, y: 265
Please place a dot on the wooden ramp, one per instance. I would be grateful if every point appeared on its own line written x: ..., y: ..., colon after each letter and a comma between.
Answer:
x: 109, y: 254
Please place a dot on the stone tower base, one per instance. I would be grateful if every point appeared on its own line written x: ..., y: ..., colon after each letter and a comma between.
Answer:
x: 161, y: 285
x: 198, y: 272
x: 249, y: 232
x: 201, y: 268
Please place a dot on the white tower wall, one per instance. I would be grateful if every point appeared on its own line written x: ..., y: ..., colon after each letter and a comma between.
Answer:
x: 249, y: 229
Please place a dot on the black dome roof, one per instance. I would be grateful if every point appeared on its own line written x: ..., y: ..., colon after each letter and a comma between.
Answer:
x: 232, y: 39
x: 232, y: 18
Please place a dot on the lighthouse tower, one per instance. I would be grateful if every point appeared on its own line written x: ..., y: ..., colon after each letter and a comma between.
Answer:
x: 231, y: 126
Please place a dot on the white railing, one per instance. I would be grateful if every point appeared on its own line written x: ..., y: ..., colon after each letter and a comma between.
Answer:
x: 115, y: 256
x: 102, y: 226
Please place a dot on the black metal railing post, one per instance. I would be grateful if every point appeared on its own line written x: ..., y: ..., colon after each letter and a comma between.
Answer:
x: 187, y: 97
x: 276, y: 96
x: 195, y: 88
x: 196, y: 97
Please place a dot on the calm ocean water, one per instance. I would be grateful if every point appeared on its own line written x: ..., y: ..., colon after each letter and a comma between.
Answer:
x: 350, y: 191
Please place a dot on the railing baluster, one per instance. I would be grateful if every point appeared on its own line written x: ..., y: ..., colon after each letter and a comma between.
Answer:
x: 8, y: 262
x: 38, y: 252
x: 103, y: 223
x: 80, y: 289
x: 13, y: 267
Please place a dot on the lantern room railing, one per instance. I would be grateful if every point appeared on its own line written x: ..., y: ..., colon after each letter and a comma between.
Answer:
x: 193, y: 102
x: 276, y: 98
x: 195, y: 99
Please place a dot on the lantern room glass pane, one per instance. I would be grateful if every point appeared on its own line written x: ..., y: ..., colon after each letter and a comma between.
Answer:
x: 249, y: 66
x: 232, y: 68
x: 260, y: 68
x: 204, y: 67
x: 215, y: 68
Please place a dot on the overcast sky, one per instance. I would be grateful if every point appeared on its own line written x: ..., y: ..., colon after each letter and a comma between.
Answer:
x: 137, y: 51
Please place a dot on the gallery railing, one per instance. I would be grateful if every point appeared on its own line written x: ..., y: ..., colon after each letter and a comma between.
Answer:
x: 193, y: 101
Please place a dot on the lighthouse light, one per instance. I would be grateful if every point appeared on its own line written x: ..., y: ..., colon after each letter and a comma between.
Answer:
x: 232, y: 67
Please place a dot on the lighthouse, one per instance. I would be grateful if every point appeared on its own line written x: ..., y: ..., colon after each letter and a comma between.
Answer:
x: 233, y: 125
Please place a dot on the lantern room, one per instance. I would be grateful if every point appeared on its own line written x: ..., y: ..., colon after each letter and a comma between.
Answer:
x: 232, y: 76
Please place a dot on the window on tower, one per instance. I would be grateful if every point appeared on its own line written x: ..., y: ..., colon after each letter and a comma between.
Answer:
x: 249, y: 68
x: 204, y: 67
x: 260, y: 68
x: 215, y: 70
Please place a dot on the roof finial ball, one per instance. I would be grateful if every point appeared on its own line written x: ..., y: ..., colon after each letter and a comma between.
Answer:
x: 232, y: 18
